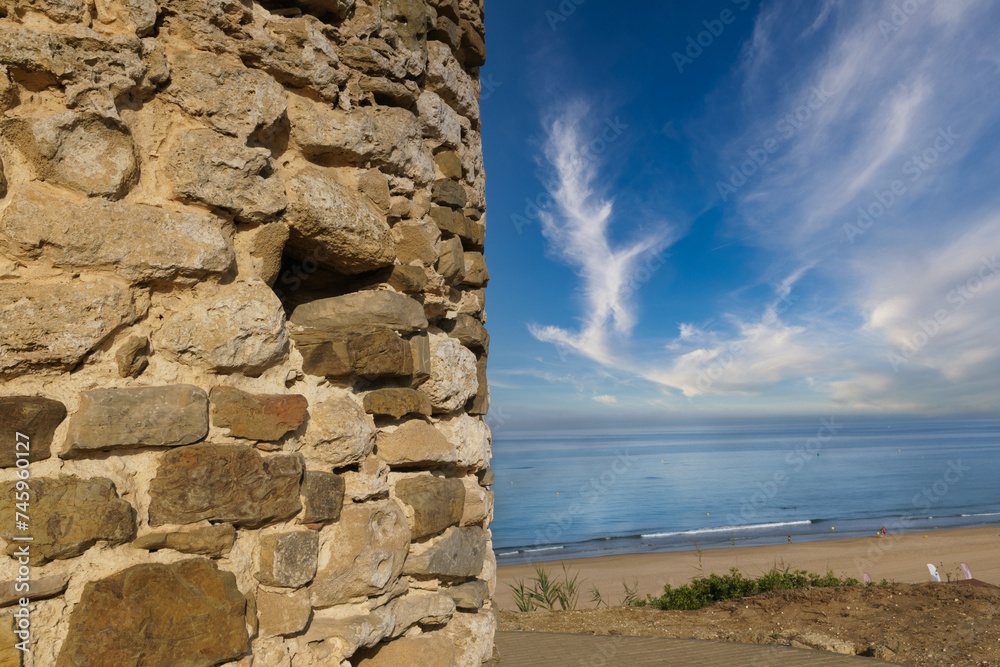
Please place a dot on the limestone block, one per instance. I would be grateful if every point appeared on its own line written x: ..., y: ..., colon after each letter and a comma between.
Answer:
x: 242, y: 328
x: 265, y: 417
x: 447, y: 78
x: 408, y: 19
x: 380, y: 353
x: 469, y: 331
x: 432, y: 648
x: 371, y: 480
x: 60, y: 11
x: 283, y: 613
x: 451, y: 264
x: 397, y: 403
x: 416, y: 242
x: 138, y: 242
x: 339, y: 434
x: 447, y: 31
x: 322, y: 496
x: 368, y: 60
x: 386, y: 91
x: 450, y: 221
x: 420, y: 607
x: 336, y: 227
x: 362, y: 309
x: 362, y: 554
x: 448, y: 193
x: 420, y: 350
x: 438, y: 120
x: 473, y: 47
x: 38, y: 589
x: 470, y: 595
x: 227, y: 483
x: 68, y: 516
x: 475, y: 270
x: 57, y: 325
x: 450, y: 165
x: 453, y: 378
x: 220, y: 171
x: 407, y: 279
x: 10, y: 655
x: 472, y: 634
x: 266, y: 249
x: 388, y: 137
x: 132, y: 356
x: 185, y: 613
x: 478, y: 502
x: 212, y: 541
x: 137, y: 417
x: 458, y: 552
x: 339, y: 8
x: 229, y: 97
x: 84, y: 151
x: 414, y: 444
x: 34, y: 416
x: 470, y: 438
x: 324, y: 353
x: 288, y: 560
x: 374, y: 184
x: 431, y: 503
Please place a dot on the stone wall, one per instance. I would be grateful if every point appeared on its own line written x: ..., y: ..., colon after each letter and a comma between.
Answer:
x: 242, y: 352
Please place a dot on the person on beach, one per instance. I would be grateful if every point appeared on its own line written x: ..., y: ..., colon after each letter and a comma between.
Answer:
x: 789, y: 538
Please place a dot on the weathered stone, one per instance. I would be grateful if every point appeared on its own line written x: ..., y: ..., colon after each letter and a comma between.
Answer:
x: 266, y: 249
x: 453, y: 378
x: 362, y: 554
x: 447, y: 31
x: 35, y: 417
x: 478, y: 502
x: 38, y: 589
x: 132, y: 356
x: 469, y: 331
x: 438, y: 120
x: 186, y: 613
x: 388, y: 137
x: 336, y: 227
x: 415, y: 443
x: 408, y: 19
x: 339, y: 434
x: 56, y: 325
x: 472, y: 635
x: 84, y: 151
x: 420, y: 607
x: 138, y: 242
x: 10, y: 655
x: 324, y: 353
x: 220, y: 171
x: 459, y: 552
x: 415, y: 242
x: 288, y: 560
x: 420, y: 350
x: 3, y: 182
x: 224, y: 483
x: 283, y: 613
x: 475, y: 270
x: 447, y: 78
x: 8, y: 93
x: 470, y: 595
x: 242, y: 328
x: 388, y: 92
x: 451, y: 264
x: 448, y: 193
x: 374, y: 184
x: 60, y: 11
x: 473, y: 47
x: 480, y: 403
x: 431, y: 503
x: 470, y: 437
x: 212, y: 541
x: 407, y: 279
x: 426, y: 649
x: 370, y: 481
x: 397, y: 402
x: 362, y: 309
x: 257, y: 416
x: 486, y: 477
x: 137, y: 417
x: 450, y: 165
x: 322, y: 496
x: 69, y: 515
x: 450, y: 221
x: 229, y: 97
x: 368, y: 60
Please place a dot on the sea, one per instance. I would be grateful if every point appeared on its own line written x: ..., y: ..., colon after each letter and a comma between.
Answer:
x: 577, y: 494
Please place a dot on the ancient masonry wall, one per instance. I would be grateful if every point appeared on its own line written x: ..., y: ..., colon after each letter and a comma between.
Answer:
x: 242, y: 352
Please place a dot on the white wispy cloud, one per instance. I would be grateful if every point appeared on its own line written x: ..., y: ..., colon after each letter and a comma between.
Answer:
x: 606, y: 399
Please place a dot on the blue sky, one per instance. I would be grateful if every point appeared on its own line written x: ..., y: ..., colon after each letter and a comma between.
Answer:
x: 742, y: 208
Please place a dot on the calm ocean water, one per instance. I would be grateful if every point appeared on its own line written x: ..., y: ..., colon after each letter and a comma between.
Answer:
x: 580, y: 494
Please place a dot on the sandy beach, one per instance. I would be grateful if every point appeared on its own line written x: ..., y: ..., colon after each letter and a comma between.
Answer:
x: 902, y: 558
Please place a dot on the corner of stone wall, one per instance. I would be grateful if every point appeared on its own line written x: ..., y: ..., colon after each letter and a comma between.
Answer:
x: 242, y: 344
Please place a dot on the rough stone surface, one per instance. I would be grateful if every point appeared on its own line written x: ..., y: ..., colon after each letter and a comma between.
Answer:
x: 136, y: 241
x: 416, y: 242
x: 34, y: 416
x: 221, y: 171
x: 472, y: 634
x: 426, y: 649
x: 69, y: 515
x: 224, y: 483
x: 288, y: 560
x: 397, y: 403
x: 470, y: 438
x: 339, y: 434
x: 478, y: 502
x: 38, y: 589
x: 362, y: 309
x: 420, y: 350
x: 438, y: 120
x: 370, y: 481
x: 57, y: 325
x: 415, y: 443
x: 453, y: 379
x: 362, y: 554
x: 132, y: 357
x: 266, y: 250
x: 447, y: 78
x: 476, y: 274
x: 186, y: 613
x: 451, y: 263
x: 448, y: 193
x: 257, y: 416
x: 138, y: 417
x: 374, y: 184
x: 213, y: 541
x: 283, y: 613
x: 10, y: 655
x: 407, y: 279
x: 322, y: 496
x: 470, y: 595
x: 241, y: 328
x: 431, y: 503
x: 469, y: 331
x: 229, y: 97
x: 480, y: 404
x: 85, y: 151
x: 459, y: 552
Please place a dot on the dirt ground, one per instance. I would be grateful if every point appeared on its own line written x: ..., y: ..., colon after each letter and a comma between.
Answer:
x: 912, y: 624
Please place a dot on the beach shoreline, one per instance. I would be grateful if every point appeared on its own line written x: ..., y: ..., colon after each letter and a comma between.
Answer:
x: 900, y: 557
